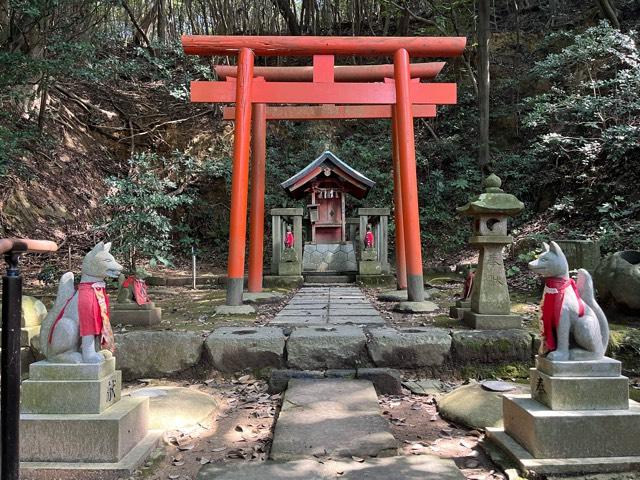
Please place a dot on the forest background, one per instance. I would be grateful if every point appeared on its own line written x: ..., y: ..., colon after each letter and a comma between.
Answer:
x: 98, y: 138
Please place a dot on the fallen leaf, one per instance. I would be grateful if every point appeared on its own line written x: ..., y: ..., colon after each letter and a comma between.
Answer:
x: 357, y: 459
x: 218, y: 449
x: 186, y: 447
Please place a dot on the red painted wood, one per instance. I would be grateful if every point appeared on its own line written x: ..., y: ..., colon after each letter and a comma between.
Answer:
x: 325, y: 93
x: 408, y: 178
x: 342, y: 73
x: 240, y: 175
x: 256, y: 215
x: 323, y: 68
x: 288, y: 46
x: 335, y: 112
x: 401, y: 261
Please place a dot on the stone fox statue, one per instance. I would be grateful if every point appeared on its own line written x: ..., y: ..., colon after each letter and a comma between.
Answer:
x: 574, y: 325
x: 79, y: 317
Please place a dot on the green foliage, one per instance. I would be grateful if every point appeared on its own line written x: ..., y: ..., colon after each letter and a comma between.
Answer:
x: 140, y: 226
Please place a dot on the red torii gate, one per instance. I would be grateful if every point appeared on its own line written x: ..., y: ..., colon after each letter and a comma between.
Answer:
x: 401, y: 93
x: 318, y: 112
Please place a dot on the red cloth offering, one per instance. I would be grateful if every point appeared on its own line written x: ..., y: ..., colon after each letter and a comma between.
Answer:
x: 93, y: 313
x: 140, y: 294
x: 289, y: 240
x: 368, y: 240
x: 552, y: 301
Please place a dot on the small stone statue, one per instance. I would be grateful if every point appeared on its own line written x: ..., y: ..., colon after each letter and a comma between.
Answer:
x: 368, y: 237
x: 289, y: 240
x: 80, y: 317
x: 468, y: 285
x: 570, y: 314
x: 133, y: 288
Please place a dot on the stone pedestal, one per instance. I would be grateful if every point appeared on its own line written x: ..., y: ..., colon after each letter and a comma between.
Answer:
x: 133, y: 314
x: 459, y: 309
x: 289, y: 264
x: 379, y: 220
x: 73, y: 419
x: 490, y: 302
x: 280, y: 217
x: 369, y: 264
x: 578, y: 419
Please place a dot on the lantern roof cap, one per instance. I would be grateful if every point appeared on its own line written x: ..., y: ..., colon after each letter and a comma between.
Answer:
x: 493, y: 200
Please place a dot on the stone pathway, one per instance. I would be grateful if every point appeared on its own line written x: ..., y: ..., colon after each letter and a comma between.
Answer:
x: 331, y: 417
x: 328, y: 305
x: 329, y: 429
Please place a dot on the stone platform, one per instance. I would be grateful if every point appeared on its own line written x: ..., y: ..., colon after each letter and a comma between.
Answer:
x: 577, y: 410
x: 134, y: 314
x: 73, y: 422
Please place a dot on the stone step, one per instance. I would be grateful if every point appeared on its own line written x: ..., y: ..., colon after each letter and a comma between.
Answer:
x: 417, y: 467
x: 328, y: 279
x: 331, y: 417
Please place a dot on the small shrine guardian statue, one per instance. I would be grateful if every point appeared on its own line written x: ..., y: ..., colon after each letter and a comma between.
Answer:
x: 368, y: 238
x: 573, y: 325
x: 133, y: 288
x: 289, y: 240
x: 80, y: 318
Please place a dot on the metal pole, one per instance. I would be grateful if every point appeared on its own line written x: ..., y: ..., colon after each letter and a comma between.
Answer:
x: 10, y: 371
x: 193, y: 263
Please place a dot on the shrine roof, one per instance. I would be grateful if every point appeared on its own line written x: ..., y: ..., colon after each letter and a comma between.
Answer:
x: 355, y: 182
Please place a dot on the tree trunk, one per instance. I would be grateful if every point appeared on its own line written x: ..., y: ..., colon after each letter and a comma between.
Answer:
x: 289, y: 15
x: 609, y: 12
x: 484, y: 11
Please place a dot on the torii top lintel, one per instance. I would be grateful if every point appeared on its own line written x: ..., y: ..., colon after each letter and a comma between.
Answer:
x: 342, y: 73
x: 296, y: 46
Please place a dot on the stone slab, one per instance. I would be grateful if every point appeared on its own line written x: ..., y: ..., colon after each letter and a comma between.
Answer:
x: 386, y: 381
x: 605, y: 367
x: 559, y: 466
x: 235, y: 310
x: 393, y: 296
x: 318, y: 348
x: 233, y: 349
x: 164, y: 401
x: 491, y: 322
x: 105, y: 437
x: 305, y: 307
x: 413, y: 347
x: 418, y: 467
x: 143, y: 317
x: 93, y: 471
x: 71, y: 396
x: 262, y: 297
x: 333, y: 417
x: 580, y: 393
x: 44, y: 370
x: 299, y: 321
x: 352, y: 311
x: 487, y: 346
x: 458, y: 312
x: 547, y: 433
x: 416, y: 307
x: 356, y: 320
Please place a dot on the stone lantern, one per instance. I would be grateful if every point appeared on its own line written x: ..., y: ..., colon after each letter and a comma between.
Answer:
x: 490, y: 303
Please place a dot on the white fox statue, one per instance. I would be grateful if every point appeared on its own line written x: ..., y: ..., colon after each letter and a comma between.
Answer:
x: 574, y: 326
x: 80, y: 317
